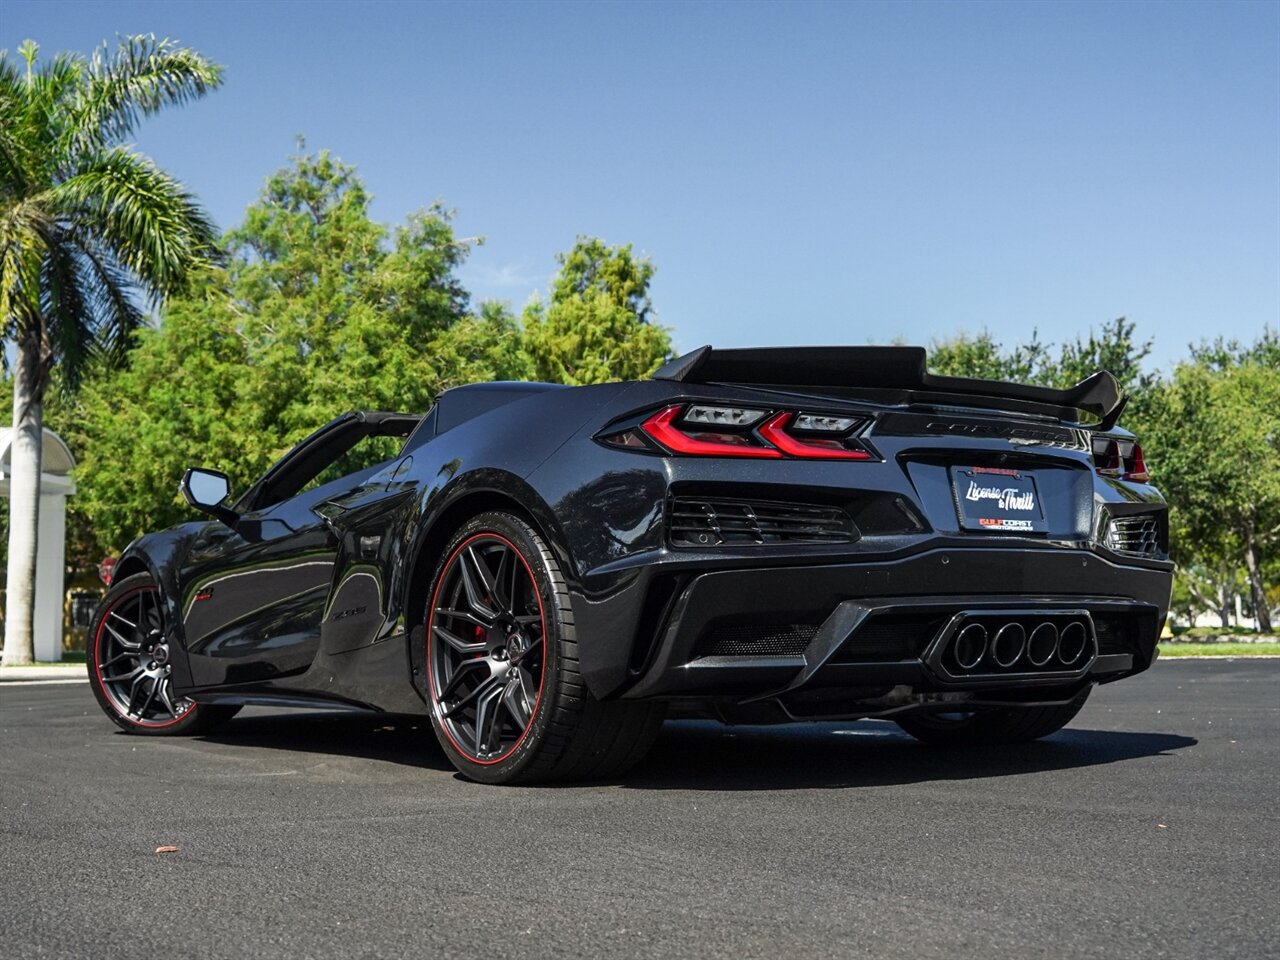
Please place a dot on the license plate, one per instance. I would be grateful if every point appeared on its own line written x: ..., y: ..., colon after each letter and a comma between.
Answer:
x: 995, y: 500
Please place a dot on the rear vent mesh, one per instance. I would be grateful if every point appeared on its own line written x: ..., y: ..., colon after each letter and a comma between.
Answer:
x: 707, y: 523
x: 757, y: 640
x: 1138, y: 535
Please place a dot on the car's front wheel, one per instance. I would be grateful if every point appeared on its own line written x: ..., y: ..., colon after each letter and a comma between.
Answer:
x: 508, y: 702
x: 1012, y: 725
x: 128, y: 658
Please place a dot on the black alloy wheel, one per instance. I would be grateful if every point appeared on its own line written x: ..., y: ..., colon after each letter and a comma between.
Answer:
x: 130, y: 665
x: 508, y: 703
x: 487, y: 643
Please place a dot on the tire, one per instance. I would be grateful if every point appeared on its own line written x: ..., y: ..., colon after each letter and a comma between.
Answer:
x: 508, y: 703
x: 127, y: 659
x: 987, y: 727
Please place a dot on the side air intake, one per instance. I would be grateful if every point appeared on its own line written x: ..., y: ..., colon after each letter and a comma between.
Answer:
x: 1137, y: 535
x: 709, y: 523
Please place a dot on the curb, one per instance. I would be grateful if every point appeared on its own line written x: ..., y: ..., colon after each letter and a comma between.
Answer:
x: 71, y: 673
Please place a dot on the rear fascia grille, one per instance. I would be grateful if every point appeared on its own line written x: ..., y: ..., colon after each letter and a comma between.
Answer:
x: 1137, y: 535
x: 757, y: 640
x: 696, y: 522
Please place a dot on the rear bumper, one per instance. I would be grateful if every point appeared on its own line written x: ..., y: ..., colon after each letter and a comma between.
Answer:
x: 788, y: 630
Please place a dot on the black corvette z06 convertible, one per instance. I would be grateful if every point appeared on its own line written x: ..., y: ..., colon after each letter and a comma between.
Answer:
x: 755, y: 535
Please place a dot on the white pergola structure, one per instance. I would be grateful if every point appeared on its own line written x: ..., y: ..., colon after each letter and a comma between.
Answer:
x: 56, y: 485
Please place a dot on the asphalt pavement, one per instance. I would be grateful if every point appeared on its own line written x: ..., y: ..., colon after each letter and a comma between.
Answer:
x: 1148, y: 828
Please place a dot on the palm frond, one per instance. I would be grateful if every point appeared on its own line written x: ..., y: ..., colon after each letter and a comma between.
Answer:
x: 47, y: 111
x: 151, y: 224
x: 115, y: 300
x: 23, y: 228
x: 12, y: 178
x: 67, y: 314
x: 144, y: 75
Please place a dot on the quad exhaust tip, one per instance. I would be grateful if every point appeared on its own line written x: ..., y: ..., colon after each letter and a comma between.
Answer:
x: 1007, y: 647
x: 1042, y: 645
x: 970, y: 646
x: 1072, y: 643
x: 1015, y: 646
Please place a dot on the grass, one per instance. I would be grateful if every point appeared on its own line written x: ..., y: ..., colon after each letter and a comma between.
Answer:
x: 1220, y: 649
x: 1194, y: 633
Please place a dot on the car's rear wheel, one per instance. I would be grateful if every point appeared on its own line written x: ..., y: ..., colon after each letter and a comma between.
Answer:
x: 508, y: 701
x: 128, y: 658
x: 1013, y: 725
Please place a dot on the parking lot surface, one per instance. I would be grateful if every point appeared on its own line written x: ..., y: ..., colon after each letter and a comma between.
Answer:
x: 1148, y: 828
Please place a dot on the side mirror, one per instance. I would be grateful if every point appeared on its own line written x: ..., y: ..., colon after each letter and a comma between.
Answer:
x: 207, y: 490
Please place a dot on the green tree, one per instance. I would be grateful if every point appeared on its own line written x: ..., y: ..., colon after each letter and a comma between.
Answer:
x: 318, y: 310
x: 88, y: 228
x: 982, y: 357
x: 1222, y: 354
x: 598, y: 324
x: 1113, y: 348
x: 1216, y: 430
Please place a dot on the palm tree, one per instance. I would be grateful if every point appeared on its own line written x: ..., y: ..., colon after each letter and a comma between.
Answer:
x: 91, y: 232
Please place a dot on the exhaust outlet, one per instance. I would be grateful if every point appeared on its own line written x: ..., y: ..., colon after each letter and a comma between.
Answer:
x: 1009, y: 642
x: 970, y: 646
x: 1042, y: 645
x: 1072, y: 643
x: 1032, y: 644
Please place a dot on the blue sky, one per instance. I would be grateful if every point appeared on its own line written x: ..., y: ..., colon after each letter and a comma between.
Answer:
x: 799, y: 173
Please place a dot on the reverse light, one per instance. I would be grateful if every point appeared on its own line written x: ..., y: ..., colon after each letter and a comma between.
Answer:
x: 722, y: 416
x: 819, y: 423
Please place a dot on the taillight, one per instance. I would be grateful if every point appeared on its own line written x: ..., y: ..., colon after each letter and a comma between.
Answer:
x: 1120, y: 459
x: 816, y: 446
x: 697, y: 440
x: 715, y: 431
x: 1134, y: 467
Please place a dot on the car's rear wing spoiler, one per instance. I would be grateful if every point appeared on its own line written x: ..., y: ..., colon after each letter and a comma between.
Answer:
x: 894, y: 375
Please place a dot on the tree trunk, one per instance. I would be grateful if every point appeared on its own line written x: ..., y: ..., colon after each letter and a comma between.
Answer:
x: 1257, y: 589
x: 24, y: 502
x: 1224, y: 611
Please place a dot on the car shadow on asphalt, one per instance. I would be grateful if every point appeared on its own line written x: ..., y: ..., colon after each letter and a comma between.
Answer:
x: 368, y: 736
x: 701, y: 755
x: 706, y: 755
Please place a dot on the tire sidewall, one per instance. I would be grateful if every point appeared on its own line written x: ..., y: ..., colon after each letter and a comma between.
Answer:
x: 118, y: 590
x: 533, y: 549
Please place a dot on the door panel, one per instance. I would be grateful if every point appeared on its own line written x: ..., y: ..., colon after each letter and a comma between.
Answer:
x: 254, y: 597
x: 252, y: 605
x: 366, y: 520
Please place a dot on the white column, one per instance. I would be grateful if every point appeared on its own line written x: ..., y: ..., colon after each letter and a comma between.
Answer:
x: 50, y: 576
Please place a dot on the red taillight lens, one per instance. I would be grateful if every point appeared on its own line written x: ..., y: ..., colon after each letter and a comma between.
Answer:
x: 1135, y: 467
x: 661, y: 426
x: 820, y: 448
x: 692, y: 431
x: 1119, y: 458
